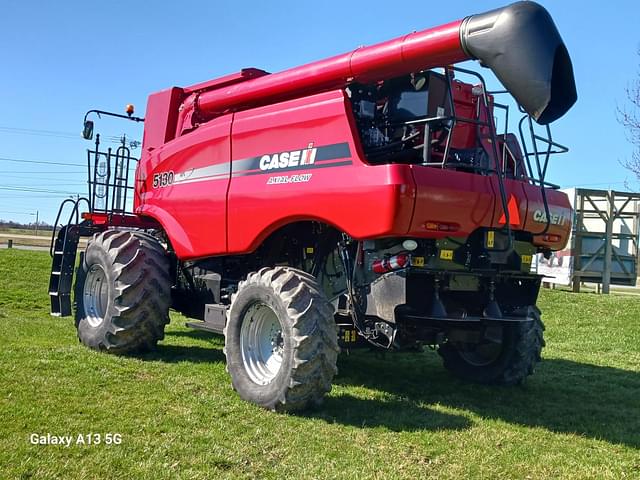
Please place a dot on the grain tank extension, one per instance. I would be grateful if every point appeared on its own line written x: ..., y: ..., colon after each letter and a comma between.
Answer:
x: 372, y: 199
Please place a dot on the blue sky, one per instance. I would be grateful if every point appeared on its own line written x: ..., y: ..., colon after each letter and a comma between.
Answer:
x: 59, y: 59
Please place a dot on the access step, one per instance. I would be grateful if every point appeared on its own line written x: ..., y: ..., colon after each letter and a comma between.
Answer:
x: 62, y: 268
x: 215, y: 319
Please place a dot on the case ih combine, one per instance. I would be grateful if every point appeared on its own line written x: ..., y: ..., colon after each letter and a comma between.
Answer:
x: 362, y: 200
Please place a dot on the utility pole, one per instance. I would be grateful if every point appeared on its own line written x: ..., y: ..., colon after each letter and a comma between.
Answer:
x: 37, y: 219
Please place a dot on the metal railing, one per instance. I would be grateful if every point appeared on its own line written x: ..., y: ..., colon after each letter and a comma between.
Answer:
x: 499, y: 165
x: 108, y: 178
x: 74, y: 218
x: 537, y: 150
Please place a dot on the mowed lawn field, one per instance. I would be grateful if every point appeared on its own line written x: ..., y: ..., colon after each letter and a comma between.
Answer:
x: 394, y: 416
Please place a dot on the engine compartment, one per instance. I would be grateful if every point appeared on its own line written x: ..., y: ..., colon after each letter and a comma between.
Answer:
x: 433, y: 119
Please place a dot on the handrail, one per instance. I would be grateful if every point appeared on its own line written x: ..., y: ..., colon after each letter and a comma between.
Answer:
x: 535, y: 177
x: 540, y: 168
x: 74, y: 212
x: 108, y: 178
x: 479, y: 123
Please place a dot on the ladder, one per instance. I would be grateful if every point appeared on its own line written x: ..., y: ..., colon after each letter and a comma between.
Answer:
x: 61, y: 278
x: 63, y: 250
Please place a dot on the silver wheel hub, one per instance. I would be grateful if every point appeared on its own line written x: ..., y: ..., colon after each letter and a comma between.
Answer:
x: 95, y: 295
x: 261, y: 343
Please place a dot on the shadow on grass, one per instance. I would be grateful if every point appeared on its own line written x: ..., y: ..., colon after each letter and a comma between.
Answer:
x: 395, y: 414
x: 564, y: 396
x: 392, y: 413
x: 197, y: 334
x: 183, y: 353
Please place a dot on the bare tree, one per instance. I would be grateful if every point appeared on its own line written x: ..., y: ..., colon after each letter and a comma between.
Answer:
x: 629, y: 117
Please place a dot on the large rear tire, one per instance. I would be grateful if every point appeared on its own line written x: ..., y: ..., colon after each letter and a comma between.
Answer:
x: 281, y: 340
x: 507, y: 363
x: 122, y: 292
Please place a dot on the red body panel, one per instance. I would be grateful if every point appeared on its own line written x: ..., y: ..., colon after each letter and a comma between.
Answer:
x: 232, y: 79
x: 340, y: 196
x: 217, y: 207
x: 560, y: 206
x: 192, y: 209
x: 162, y: 114
x: 466, y: 105
x: 227, y: 162
x: 451, y: 197
x: 194, y: 214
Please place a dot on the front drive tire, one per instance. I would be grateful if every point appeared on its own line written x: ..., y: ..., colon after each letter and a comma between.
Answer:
x: 508, y: 363
x: 281, y: 340
x: 122, y: 292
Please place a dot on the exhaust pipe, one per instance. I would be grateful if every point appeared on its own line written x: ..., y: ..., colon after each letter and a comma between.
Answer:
x: 520, y: 43
x: 522, y: 46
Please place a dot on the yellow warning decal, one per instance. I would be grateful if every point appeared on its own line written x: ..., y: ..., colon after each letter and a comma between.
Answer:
x: 350, y: 336
x: 491, y: 239
x: 417, y: 261
x: 525, y: 258
x: 308, y: 250
x: 446, y: 254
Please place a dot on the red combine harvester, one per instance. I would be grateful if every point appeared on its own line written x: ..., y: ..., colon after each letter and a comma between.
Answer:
x: 362, y: 200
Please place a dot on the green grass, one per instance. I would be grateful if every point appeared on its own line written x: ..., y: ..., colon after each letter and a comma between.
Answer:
x: 400, y: 416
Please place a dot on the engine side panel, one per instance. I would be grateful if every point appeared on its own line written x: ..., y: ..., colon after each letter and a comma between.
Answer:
x: 447, y: 196
x: 298, y: 160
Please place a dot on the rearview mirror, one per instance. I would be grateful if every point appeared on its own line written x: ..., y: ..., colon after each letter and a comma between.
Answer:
x: 87, y: 132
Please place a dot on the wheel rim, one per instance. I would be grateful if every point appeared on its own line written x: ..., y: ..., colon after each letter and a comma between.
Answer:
x: 95, y: 295
x: 261, y: 343
x: 482, y: 355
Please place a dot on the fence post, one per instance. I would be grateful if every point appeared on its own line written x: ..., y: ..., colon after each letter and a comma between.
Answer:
x: 611, y: 212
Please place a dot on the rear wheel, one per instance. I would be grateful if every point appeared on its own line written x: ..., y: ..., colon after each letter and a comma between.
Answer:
x: 281, y: 340
x: 507, y: 360
x: 122, y: 292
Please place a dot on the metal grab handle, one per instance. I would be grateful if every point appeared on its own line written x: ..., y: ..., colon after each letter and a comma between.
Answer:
x: 74, y: 212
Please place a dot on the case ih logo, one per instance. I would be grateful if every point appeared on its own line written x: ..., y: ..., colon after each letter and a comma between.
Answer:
x: 554, y: 218
x: 294, y: 158
x: 323, y: 156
